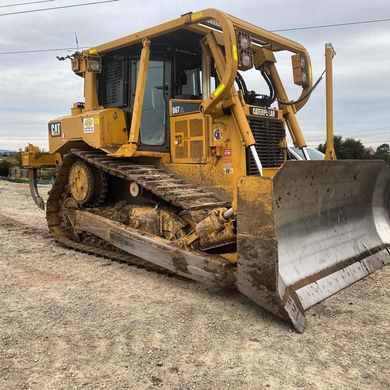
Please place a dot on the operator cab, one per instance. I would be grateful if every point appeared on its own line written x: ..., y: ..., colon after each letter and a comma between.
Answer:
x: 173, y: 86
x: 173, y: 73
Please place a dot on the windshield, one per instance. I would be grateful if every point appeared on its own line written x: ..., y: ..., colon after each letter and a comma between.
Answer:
x: 314, y: 154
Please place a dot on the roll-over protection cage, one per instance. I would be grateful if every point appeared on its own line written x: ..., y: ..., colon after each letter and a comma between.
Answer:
x: 220, y: 31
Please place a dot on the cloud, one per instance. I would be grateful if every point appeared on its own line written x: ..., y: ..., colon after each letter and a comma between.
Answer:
x: 35, y: 88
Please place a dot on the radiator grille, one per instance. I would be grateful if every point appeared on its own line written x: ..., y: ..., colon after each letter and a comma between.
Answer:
x: 267, y: 133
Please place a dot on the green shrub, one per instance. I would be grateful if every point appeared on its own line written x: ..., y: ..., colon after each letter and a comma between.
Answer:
x: 47, y: 173
x: 4, y: 168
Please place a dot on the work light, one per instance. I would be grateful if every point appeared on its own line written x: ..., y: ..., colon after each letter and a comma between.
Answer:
x: 244, y: 40
x: 95, y: 64
x: 300, y: 69
x: 246, y: 59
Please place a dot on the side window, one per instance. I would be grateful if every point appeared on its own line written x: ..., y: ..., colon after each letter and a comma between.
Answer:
x: 188, y: 84
x: 212, y: 84
x: 192, y: 82
x: 113, y: 83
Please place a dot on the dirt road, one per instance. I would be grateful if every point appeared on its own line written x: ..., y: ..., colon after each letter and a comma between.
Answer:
x: 74, y: 321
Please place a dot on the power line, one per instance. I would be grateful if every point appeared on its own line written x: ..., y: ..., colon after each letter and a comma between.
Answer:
x: 375, y: 128
x: 61, y: 7
x: 42, y: 50
x: 27, y: 3
x: 108, y: 1
x: 364, y: 132
x: 332, y: 25
x: 345, y: 135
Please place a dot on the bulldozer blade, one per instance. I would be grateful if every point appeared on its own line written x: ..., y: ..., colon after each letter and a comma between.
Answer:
x: 312, y: 230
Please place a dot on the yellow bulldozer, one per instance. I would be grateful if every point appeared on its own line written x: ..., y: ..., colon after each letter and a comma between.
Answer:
x: 172, y: 163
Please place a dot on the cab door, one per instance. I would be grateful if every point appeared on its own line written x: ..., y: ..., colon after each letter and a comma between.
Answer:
x: 154, y: 132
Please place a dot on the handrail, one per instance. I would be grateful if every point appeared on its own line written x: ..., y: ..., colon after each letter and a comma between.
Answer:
x: 227, y: 23
x: 230, y: 46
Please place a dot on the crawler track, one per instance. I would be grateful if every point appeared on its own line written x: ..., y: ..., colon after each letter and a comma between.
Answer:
x: 158, y: 181
x: 165, y: 185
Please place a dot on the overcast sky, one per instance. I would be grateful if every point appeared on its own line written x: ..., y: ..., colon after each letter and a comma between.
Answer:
x: 35, y: 88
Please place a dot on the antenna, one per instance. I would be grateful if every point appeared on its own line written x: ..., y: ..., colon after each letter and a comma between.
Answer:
x: 72, y: 55
x: 77, y: 41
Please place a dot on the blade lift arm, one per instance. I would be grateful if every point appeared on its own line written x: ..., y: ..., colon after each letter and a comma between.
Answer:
x: 236, y: 105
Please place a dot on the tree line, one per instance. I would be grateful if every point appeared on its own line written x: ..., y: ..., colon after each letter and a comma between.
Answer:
x: 353, y: 149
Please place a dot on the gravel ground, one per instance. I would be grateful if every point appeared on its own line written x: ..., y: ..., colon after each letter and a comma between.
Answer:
x: 74, y: 321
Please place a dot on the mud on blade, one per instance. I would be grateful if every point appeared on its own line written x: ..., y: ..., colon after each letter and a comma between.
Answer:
x: 312, y: 230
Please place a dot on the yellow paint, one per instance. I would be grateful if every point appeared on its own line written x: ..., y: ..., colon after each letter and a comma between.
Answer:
x: 270, y: 172
x: 139, y: 92
x: 92, y: 51
x: 256, y: 190
x: 219, y: 90
x: 33, y: 157
x: 191, y: 129
x: 126, y: 150
x: 235, y: 55
x: 196, y: 16
x: 232, y: 257
x: 79, y: 184
x: 309, y: 71
x: 108, y: 133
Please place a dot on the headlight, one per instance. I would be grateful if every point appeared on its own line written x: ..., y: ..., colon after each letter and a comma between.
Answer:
x: 246, y: 60
x: 304, y: 77
x: 300, y: 70
x: 244, y: 40
x: 303, y: 61
x: 95, y: 64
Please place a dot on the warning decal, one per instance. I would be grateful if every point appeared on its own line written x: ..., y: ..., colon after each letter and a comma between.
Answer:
x: 89, y: 125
